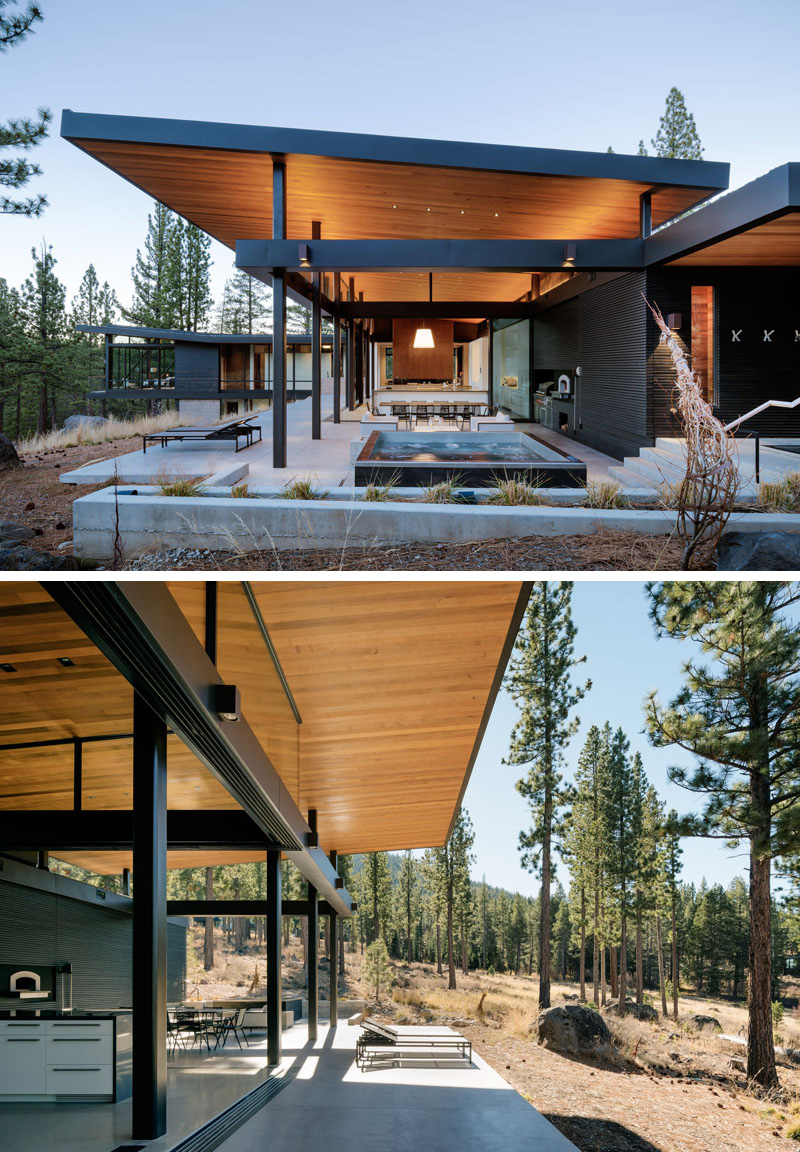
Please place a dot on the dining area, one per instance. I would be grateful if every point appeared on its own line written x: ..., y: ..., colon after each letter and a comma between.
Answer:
x: 426, y: 413
x: 204, y: 1027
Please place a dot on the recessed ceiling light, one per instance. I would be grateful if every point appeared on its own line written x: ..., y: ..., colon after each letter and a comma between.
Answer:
x: 462, y: 211
x: 65, y: 662
x: 197, y: 787
x: 8, y: 667
x: 394, y: 205
x: 428, y: 209
x: 497, y: 213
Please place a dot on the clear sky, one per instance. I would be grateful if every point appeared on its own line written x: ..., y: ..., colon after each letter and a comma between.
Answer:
x: 579, y: 75
x: 624, y: 661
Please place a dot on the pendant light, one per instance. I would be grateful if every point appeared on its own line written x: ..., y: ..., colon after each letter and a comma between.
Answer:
x: 423, y: 337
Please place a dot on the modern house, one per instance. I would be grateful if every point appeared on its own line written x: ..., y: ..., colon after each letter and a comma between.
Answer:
x: 549, y: 256
x: 150, y: 726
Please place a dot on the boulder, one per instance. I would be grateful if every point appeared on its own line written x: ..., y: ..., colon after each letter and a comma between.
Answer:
x: 77, y: 420
x: 759, y: 552
x: 575, y: 1031
x: 8, y: 453
x: 638, y: 1011
x: 12, y: 533
x: 24, y: 559
x: 699, y: 1022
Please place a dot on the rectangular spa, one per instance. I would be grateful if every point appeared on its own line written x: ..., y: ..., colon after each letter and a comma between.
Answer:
x: 410, y: 459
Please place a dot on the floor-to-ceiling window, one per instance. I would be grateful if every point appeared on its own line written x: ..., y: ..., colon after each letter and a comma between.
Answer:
x: 511, y: 367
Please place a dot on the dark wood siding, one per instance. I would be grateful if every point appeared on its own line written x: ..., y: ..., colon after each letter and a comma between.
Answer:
x: 749, y: 371
x: 603, y: 332
x: 48, y: 928
x: 196, y: 370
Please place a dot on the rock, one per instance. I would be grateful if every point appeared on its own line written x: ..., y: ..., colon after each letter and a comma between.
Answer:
x: 638, y: 1011
x: 24, y: 559
x: 759, y: 551
x: 8, y: 453
x: 575, y: 1030
x: 12, y: 533
x: 92, y: 421
x: 699, y: 1022
x: 572, y: 996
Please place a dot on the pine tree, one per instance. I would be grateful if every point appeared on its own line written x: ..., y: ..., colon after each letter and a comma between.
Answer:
x: 539, y: 679
x: 245, y: 306
x: 15, y: 27
x: 677, y: 133
x: 12, y: 346
x: 47, y: 336
x: 450, y: 875
x: 619, y: 816
x: 156, y: 300
x: 408, y: 893
x: 95, y: 304
x: 195, y: 260
x: 374, y: 885
x: 740, y: 717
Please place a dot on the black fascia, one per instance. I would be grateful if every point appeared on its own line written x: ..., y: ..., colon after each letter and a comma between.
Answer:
x: 112, y: 831
x: 701, y: 174
x: 259, y: 256
x: 193, y: 337
x: 758, y: 202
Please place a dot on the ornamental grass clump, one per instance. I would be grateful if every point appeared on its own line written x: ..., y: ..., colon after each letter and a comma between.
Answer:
x: 182, y: 487
x: 446, y: 492
x: 707, y: 493
x: 379, y: 492
x: 605, y: 494
x: 515, y: 492
x: 302, y: 490
x: 241, y: 492
x: 782, y: 495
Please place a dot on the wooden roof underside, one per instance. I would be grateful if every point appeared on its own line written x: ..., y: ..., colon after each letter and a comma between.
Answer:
x: 391, y: 681
x: 774, y: 244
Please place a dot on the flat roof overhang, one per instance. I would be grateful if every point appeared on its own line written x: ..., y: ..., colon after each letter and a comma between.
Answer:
x: 196, y: 337
x: 382, y: 755
x: 378, y: 188
x: 755, y: 225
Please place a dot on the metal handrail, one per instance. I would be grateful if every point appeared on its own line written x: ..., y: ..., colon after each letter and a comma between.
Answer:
x: 762, y: 408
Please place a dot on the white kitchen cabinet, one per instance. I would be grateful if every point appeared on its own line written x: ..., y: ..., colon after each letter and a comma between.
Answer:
x: 24, y: 1064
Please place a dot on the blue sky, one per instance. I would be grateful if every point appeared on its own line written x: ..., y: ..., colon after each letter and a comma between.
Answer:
x: 624, y: 661
x: 580, y: 75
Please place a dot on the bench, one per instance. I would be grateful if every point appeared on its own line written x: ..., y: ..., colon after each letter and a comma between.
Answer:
x: 232, y: 430
x: 389, y: 1043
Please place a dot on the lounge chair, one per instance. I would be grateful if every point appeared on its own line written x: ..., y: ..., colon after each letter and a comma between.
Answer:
x: 388, y: 1043
x: 232, y: 430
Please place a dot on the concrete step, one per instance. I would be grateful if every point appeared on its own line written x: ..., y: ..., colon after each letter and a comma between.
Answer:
x: 628, y: 479
x: 658, y: 469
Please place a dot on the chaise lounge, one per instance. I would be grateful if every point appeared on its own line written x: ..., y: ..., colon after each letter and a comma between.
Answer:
x: 232, y: 430
x: 389, y: 1043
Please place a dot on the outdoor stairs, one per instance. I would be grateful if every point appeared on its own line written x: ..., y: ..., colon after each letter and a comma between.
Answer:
x: 664, y: 463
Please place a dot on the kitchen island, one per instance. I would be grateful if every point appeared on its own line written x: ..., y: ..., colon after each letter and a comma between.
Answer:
x: 383, y: 398
x: 53, y: 1056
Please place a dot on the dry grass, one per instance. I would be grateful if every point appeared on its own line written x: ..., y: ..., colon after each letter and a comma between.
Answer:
x: 781, y: 496
x: 99, y: 433
x: 181, y: 487
x: 446, y: 492
x: 302, y: 490
x: 241, y: 491
x: 515, y: 493
x: 605, y: 494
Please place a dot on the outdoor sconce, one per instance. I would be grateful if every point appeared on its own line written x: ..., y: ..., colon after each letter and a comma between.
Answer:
x: 570, y: 252
x: 674, y: 320
x: 226, y: 701
x: 305, y: 256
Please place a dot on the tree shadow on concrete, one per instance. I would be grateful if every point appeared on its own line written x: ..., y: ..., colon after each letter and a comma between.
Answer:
x: 595, y: 1135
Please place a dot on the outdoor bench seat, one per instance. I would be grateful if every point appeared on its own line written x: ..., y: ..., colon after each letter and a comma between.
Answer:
x: 379, y: 1043
x: 233, y: 430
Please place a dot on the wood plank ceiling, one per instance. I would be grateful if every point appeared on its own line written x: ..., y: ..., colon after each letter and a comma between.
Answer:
x: 391, y: 681
x: 774, y: 244
x: 229, y: 195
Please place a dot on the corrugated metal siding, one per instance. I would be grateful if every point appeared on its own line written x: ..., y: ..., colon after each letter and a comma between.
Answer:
x: 603, y: 331
x: 196, y: 369
x: 45, y: 928
x: 749, y: 371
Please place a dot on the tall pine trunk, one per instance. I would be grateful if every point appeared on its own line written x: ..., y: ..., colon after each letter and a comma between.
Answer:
x: 603, y: 974
x: 661, y: 982
x: 623, y: 965
x: 675, y: 973
x: 583, y: 944
x: 596, y: 945
x: 451, y: 959
x: 439, y: 944
x: 544, y: 920
x: 208, y: 930
x: 612, y: 971
x: 760, y: 1046
x: 639, y: 971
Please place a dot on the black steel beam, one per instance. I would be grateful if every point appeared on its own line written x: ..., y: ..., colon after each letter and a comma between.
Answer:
x: 99, y: 830
x: 623, y: 254
x: 241, y: 907
x: 316, y: 347
x: 333, y: 958
x: 273, y: 940
x: 149, y: 1112
x: 442, y: 309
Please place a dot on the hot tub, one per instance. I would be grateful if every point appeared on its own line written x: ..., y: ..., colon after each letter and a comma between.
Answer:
x: 476, y: 458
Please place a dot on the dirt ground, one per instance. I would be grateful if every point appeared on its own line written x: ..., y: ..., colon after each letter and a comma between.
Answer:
x: 669, y: 1090
x: 34, y: 496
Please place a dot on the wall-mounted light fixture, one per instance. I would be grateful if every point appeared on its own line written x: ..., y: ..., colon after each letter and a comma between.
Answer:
x: 570, y: 252
x: 305, y: 256
x: 674, y: 320
x: 227, y: 704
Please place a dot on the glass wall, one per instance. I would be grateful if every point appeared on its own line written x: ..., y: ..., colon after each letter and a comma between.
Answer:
x: 142, y: 365
x: 511, y: 367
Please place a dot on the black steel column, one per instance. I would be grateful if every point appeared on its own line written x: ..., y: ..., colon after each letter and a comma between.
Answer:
x: 274, y: 984
x: 334, y: 958
x: 149, y: 922
x: 313, y: 946
x: 278, y: 320
x: 350, y: 370
x: 491, y: 368
x: 336, y: 352
x: 316, y: 347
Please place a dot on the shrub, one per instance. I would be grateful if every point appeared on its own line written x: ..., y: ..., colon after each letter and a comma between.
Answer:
x: 181, y: 487
x: 512, y: 491
x: 241, y: 491
x: 446, y: 492
x: 777, y: 1013
x: 302, y: 490
x: 376, y: 970
x: 781, y: 496
x: 793, y: 1133
x: 605, y: 494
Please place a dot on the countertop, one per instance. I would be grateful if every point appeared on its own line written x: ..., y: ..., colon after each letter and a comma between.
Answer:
x: 53, y: 1014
